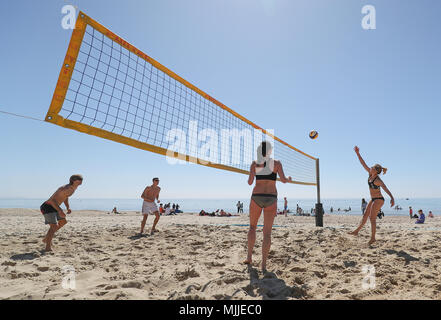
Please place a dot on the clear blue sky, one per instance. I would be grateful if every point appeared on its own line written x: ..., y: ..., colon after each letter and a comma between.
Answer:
x: 309, y: 61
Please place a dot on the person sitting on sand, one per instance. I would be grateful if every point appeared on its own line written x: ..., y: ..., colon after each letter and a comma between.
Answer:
x: 161, y: 209
x: 263, y: 198
x: 377, y: 201
x: 53, y: 214
x: 202, y: 213
x: 149, y: 195
x: 422, y: 217
x: 115, y: 211
x: 167, y: 210
x: 430, y: 215
x: 380, y: 214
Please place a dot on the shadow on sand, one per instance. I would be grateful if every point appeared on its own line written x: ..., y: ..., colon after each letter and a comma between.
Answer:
x: 27, y: 256
x: 403, y: 254
x: 272, y: 288
x: 138, y: 236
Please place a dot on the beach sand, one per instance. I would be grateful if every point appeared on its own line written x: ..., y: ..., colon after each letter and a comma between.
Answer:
x: 196, y: 257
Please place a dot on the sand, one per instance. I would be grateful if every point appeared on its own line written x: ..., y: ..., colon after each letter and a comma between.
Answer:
x: 196, y: 257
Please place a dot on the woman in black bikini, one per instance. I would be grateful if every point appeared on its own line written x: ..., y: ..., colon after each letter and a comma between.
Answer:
x: 377, y: 201
x: 264, y: 198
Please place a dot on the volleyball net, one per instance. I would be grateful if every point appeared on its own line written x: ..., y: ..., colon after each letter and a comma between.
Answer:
x: 110, y: 89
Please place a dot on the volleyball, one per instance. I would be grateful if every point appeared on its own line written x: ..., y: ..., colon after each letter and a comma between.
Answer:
x: 313, y: 134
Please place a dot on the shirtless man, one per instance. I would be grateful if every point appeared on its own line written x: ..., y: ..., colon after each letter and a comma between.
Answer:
x: 53, y: 214
x: 149, y: 206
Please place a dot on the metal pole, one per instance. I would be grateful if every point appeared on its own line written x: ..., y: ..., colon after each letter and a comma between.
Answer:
x: 318, y: 206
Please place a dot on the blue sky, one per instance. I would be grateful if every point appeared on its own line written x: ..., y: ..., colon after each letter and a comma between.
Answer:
x: 310, y: 62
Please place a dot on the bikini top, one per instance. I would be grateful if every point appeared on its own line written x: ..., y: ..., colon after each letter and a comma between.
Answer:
x: 371, y: 183
x: 270, y: 176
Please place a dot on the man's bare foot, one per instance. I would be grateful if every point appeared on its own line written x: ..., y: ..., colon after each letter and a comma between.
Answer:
x: 48, y: 249
x: 354, y: 233
x: 371, y: 241
x: 247, y: 261
x: 44, y: 240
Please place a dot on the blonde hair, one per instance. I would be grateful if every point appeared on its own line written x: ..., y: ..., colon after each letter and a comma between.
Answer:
x: 379, y: 168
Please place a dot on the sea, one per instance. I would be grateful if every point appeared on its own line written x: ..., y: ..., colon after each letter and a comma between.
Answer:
x: 229, y: 205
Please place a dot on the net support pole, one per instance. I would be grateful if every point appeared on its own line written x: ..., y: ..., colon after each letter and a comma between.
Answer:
x: 318, y: 205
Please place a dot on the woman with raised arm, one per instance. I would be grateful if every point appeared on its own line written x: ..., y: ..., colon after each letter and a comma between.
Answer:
x: 377, y: 201
x: 264, y: 197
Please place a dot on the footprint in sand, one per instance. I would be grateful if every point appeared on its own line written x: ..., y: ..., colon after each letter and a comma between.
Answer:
x: 132, y: 284
x: 42, y: 269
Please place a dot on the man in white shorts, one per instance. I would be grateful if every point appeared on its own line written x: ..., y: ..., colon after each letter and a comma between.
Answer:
x: 149, y: 206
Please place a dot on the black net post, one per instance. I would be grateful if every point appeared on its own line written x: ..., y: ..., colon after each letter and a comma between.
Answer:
x: 318, y: 205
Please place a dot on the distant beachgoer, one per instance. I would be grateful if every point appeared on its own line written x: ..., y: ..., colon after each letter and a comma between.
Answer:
x: 263, y: 198
x: 161, y: 209
x: 430, y: 215
x: 238, y: 206
x: 149, y: 195
x: 332, y: 210
x: 224, y: 213
x: 241, y: 207
x: 363, y: 206
x: 53, y: 214
x: 410, y: 212
x: 380, y: 214
x: 285, y: 207
x: 374, y: 206
x: 422, y: 217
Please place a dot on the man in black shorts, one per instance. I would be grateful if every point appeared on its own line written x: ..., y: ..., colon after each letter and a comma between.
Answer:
x: 53, y: 214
